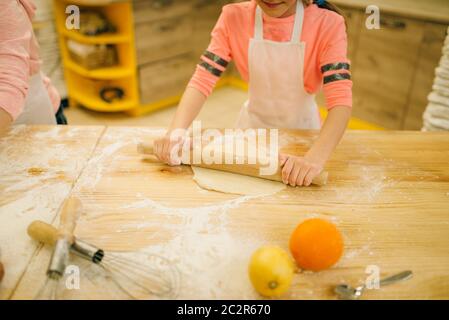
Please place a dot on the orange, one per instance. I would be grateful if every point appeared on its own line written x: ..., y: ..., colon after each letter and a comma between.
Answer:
x: 316, y: 244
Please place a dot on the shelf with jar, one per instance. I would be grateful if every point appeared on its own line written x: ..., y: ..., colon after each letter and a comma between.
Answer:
x: 99, y: 56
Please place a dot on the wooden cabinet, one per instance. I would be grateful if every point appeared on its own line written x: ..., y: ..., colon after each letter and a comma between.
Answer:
x: 392, y: 67
x: 205, y: 15
x: 384, y: 67
x: 171, y: 35
x: 429, y: 55
x: 166, y: 78
x: 162, y: 39
x: 151, y: 10
x: 163, y: 29
x: 353, y: 25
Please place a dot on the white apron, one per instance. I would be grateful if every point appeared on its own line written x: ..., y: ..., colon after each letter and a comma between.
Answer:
x: 277, y: 98
x: 38, y: 108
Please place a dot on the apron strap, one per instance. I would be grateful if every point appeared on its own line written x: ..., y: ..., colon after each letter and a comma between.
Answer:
x: 297, y: 28
x: 258, y: 25
x: 299, y: 19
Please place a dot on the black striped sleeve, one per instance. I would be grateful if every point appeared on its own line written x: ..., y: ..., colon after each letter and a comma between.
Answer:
x: 216, y: 72
x: 336, y: 77
x: 213, y: 63
x: 215, y: 58
x: 335, y: 66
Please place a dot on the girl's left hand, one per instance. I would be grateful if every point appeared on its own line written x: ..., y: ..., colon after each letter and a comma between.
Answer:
x: 300, y: 171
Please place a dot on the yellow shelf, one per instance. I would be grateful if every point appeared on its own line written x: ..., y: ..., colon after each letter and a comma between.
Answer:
x: 115, y: 72
x: 111, y: 38
x: 84, y: 85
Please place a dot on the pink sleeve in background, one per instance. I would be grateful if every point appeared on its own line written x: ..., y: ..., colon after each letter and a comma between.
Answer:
x: 15, y: 39
x: 338, y: 93
x: 19, y: 56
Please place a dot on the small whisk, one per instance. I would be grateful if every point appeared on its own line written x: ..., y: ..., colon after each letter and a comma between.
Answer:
x: 63, y: 239
x: 139, y: 275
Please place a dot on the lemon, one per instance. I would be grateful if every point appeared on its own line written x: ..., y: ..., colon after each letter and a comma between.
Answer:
x: 271, y: 271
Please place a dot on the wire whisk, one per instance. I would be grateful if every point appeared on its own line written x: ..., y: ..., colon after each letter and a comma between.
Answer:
x: 139, y: 275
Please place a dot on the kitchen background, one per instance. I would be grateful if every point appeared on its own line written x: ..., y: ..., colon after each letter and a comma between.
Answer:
x: 130, y: 61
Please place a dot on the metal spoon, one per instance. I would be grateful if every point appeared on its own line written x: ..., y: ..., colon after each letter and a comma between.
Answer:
x: 347, y: 292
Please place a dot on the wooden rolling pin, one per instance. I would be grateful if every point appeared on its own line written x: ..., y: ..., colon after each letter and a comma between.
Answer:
x: 246, y: 169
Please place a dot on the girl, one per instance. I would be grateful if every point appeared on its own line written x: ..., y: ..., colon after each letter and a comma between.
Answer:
x: 287, y: 50
x: 26, y: 96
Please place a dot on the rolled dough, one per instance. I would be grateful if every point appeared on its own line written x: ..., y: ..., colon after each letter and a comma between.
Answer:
x: 234, y: 183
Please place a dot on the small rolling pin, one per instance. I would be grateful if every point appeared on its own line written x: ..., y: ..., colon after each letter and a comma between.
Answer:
x: 246, y: 169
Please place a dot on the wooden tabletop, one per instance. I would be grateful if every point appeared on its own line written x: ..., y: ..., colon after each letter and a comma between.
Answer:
x: 429, y: 10
x: 388, y: 193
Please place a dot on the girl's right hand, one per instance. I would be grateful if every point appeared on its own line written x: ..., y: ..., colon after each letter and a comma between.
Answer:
x: 168, y: 148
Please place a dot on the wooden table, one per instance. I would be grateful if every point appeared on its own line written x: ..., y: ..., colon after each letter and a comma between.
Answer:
x: 388, y: 193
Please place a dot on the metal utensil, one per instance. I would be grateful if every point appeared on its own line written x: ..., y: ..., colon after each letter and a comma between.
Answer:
x: 63, y: 240
x: 346, y: 292
x: 139, y: 275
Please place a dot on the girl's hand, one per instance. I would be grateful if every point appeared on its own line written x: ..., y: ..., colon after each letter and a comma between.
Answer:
x: 168, y: 148
x: 300, y: 171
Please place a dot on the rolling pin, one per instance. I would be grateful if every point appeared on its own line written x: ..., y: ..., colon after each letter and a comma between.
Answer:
x: 246, y: 169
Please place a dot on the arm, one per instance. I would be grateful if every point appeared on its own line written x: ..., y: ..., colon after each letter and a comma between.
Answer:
x: 334, y: 70
x: 190, y: 105
x: 212, y: 64
x: 301, y: 170
x: 15, y: 37
x: 333, y: 129
x: 208, y: 71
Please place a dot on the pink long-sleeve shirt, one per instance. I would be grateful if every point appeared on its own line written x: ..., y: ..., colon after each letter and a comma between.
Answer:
x: 19, y: 56
x: 326, y: 65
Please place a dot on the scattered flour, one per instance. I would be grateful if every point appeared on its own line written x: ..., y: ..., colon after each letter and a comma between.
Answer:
x: 35, y: 179
x: 95, y: 167
x: 204, y: 252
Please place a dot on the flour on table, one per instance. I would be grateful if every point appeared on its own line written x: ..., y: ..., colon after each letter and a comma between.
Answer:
x: 204, y: 250
x: 234, y: 183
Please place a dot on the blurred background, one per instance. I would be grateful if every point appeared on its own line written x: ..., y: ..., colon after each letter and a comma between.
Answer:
x: 130, y: 61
